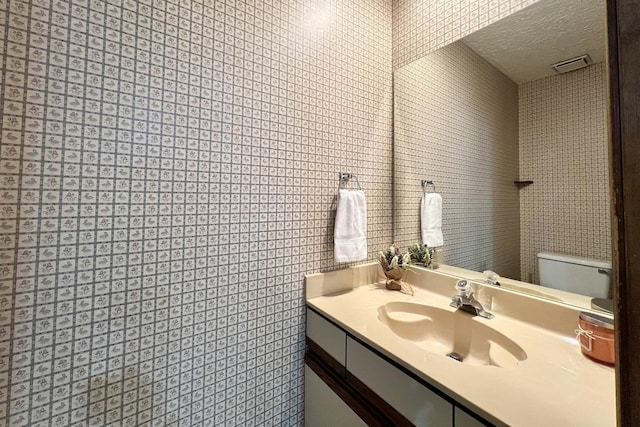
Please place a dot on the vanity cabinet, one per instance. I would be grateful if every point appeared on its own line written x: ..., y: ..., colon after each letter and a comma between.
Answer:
x: 328, y: 336
x: 349, y: 379
x: 414, y: 401
x: 323, y: 407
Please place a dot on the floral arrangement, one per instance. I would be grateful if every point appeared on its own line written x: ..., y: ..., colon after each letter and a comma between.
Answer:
x: 394, y: 258
x: 421, y: 254
x: 394, y: 264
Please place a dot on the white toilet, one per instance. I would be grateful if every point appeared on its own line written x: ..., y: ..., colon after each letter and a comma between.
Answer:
x: 580, y: 275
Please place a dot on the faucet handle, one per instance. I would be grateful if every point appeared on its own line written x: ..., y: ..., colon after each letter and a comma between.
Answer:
x: 491, y: 278
x: 464, y: 288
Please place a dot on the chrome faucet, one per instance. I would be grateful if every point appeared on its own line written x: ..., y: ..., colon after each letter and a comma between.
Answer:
x: 465, y: 301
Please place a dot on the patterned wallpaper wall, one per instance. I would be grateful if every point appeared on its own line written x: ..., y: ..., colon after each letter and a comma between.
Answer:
x: 421, y: 27
x: 563, y: 149
x: 167, y: 175
x: 456, y: 123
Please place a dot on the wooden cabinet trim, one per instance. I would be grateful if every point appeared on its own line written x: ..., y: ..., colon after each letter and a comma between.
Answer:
x: 325, y: 358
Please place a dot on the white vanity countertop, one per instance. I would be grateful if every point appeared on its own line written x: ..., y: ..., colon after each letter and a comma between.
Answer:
x: 555, y: 386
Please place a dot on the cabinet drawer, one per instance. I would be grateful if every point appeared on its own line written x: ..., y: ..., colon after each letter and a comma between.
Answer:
x: 412, y: 399
x: 322, y: 407
x: 328, y: 336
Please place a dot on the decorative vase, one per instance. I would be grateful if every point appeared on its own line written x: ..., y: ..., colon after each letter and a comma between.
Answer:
x: 394, y: 278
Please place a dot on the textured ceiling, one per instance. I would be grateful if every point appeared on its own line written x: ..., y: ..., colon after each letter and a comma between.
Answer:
x: 525, y: 44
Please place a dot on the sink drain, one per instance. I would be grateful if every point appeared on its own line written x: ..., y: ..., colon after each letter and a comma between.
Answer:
x: 455, y: 356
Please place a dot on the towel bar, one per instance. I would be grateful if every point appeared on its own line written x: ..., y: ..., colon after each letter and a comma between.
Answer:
x: 426, y: 183
x: 345, y: 177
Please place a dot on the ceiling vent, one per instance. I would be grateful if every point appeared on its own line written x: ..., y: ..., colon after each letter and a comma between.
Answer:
x: 572, y: 64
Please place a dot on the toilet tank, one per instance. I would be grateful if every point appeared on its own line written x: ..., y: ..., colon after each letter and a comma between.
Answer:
x: 580, y: 275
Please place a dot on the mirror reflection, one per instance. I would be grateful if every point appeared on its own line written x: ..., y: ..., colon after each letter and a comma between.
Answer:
x: 517, y: 148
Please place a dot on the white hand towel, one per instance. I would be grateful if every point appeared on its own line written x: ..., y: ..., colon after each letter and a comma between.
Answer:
x: 350, y: 233
x: 431, y: 219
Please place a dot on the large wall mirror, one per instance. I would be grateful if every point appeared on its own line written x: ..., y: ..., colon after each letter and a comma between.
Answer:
x: 517, y: 150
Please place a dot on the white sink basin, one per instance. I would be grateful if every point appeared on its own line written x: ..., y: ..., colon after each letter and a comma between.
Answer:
x: 444, y: 332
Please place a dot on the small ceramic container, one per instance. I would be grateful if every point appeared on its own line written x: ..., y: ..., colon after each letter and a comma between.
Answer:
x: 596, y: 337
